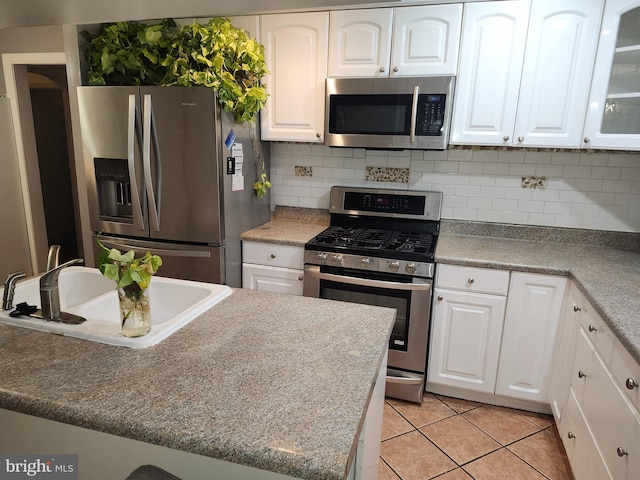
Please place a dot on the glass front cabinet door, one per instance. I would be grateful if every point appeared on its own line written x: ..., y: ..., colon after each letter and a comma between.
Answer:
x: 613, y: 118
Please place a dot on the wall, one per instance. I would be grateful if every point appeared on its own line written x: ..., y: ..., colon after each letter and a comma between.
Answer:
x: 582, y: 190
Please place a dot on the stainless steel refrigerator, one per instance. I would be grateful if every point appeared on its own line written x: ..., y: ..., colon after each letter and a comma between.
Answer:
x: 169, y: 172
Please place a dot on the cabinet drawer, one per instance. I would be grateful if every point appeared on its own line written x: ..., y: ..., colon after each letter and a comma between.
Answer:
x: 626, y: 373
x: 583, y: 452
x: 272, y: 254
x: 473, y: 279
x: 598, y: 332
x: 613, y: 420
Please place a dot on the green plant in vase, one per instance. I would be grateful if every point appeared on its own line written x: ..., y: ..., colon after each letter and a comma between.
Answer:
x: 132, y: 276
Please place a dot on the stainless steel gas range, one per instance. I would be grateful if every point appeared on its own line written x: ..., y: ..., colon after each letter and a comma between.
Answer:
x: 379, y: 250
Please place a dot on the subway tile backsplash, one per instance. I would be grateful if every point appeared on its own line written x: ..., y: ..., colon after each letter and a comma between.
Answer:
x: 581, y: 189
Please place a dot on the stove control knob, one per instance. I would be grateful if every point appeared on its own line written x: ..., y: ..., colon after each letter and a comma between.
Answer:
x: 365, y: 261
x: 410, y: 268
x: 337, y: 259
x: 322, y: 256
x: 394, y: 266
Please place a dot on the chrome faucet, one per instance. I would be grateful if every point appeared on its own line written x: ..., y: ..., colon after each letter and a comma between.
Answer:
x: 9, y: 289
x: 53, y: 257
x: 50, y: 295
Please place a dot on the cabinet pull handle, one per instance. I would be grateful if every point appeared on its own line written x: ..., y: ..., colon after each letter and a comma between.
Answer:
x: 395, y: 69
x: 631, y: 383
x: 439, y: 298
x: 317, y: 135
x: 505, y: 138
x: 571, y: 435
x: 593, y: 328
x: 273, y: 255
x: 581, y: 374
x: 586, y: 140
x: 470, y: 280
x: 621, y: 452
x: 382, y: 69
x: 576, y: 308
x: 300, y: 278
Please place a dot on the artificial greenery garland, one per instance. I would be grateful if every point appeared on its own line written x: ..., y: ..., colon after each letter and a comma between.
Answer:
x: 216, y: 55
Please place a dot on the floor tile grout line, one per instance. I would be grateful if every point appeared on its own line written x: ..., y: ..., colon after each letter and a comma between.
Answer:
x: 456, y: 413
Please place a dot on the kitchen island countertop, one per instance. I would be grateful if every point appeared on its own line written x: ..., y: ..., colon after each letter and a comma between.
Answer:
x: 279, y: 383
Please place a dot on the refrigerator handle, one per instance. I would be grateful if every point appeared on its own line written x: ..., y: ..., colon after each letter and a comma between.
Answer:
x: 146, y: 163
x: 136, y: 206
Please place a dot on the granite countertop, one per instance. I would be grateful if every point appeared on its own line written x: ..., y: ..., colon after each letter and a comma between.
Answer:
x: 605, y: 265
x: 280, y: 384
x: 289, y: 226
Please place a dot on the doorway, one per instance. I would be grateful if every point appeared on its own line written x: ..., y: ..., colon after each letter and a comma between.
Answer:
x: 52, y: 128
x: 39, y: 100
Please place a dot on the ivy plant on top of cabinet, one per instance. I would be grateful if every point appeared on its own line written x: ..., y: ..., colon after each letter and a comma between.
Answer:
x: 407, y: 41
x: 613, y: 118
x: 525, y: 70
x: 296, y: 55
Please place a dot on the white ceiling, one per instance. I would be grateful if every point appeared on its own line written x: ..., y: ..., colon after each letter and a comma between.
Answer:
x: 15, y: 13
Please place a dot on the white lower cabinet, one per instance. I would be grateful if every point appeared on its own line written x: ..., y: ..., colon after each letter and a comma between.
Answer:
x: 272, y: 268
x: 597, y: 409
x: 465, y: 339
x: 528, y: 338
x: 485, y: 341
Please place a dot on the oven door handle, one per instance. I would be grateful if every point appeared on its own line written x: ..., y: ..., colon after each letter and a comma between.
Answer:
x: 365, y: 282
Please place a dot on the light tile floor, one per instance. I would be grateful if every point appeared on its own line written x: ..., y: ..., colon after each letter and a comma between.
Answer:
x: 450, y: 439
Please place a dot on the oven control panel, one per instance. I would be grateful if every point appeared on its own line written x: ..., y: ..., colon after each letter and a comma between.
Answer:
x: 374, y: 264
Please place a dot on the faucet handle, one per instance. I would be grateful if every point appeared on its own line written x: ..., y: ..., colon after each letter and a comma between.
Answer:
x: 50, y: 278
x: 10, y: 288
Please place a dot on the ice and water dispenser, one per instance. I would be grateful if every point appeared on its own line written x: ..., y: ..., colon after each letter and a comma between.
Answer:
x: 114, y: 189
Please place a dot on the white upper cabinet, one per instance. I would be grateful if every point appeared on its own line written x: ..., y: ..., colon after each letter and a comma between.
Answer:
x: 408, y: 41
x: 360, y: 42
x: 488, y: 82
x: 524, y: 72
x: 426, y: 40
x: 296, y: 54
x: 613, y: 118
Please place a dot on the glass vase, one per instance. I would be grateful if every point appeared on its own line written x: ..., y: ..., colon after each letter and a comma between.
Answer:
x: 135, y: 311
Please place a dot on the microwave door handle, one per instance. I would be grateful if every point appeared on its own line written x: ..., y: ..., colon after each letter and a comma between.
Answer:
x: 146, y: 163
x: 366, y: 282
x: 136, y: 207
x: 414, y: 113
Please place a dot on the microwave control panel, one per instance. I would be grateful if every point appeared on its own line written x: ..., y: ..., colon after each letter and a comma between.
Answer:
x: 430, y: 115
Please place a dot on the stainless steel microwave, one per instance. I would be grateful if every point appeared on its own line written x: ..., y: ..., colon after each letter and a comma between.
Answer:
x: 389, y: 113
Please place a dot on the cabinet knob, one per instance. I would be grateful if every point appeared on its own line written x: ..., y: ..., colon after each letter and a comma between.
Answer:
x: 382, y: 69
x: 395, y: 69
x: 301, y: 278
x: 470, y: 280
x: 586, y: 140
x: 581, y: 374
x: 505, y: 138
x: 631, y: 383
x: 593, y: 328
x: 273, y: 255
x: 621, y: 452
x: 317, y: 135
x: 576, y: 308
x: 439, y: 298
x: 571, y: 435
x: 521, y: 139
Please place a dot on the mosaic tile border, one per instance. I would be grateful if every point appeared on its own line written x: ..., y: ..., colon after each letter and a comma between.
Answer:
x: 387, y: 174
x: 302, y: 171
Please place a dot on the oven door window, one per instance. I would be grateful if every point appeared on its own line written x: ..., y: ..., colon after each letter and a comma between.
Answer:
x: 400, y: 300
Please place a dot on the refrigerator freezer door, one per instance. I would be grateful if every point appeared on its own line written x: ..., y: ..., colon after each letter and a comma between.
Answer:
x: 189, y: 262
x: 182, y: 158
x: 111, y: 134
